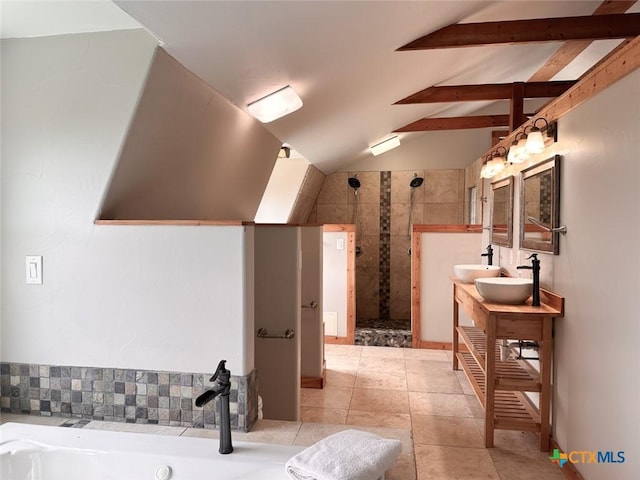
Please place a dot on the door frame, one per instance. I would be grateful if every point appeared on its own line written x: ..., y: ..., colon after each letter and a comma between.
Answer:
x: 350, y: 230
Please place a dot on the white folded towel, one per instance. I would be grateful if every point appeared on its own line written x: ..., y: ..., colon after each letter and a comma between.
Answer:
x: 347, y: 455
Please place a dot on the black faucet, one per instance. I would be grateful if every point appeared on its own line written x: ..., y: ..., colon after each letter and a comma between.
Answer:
x: 535, y: 267
x: 222, y: 387
x: 489, y: 255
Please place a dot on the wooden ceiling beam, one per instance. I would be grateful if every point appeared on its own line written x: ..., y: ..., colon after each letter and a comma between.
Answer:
x: 572, y: 48
x: 455, y: 123
x: 489, y: 91
x: 592, y: 27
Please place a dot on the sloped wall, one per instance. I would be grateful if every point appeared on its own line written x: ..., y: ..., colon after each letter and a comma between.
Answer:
x: 189, y: 154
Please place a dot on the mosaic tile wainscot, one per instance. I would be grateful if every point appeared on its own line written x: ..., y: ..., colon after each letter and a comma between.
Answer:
x: 123, y: 395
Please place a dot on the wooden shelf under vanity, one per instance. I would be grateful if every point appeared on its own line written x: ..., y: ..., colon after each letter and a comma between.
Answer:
x: 501, y: 386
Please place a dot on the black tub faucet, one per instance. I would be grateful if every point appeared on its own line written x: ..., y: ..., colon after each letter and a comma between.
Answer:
x: 222, y: 387
x: 535, y: 268
x: 489, y: 255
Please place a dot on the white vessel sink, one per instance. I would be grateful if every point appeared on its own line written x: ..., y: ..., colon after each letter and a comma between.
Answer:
x: 512, y: 291
x: 468, y: 273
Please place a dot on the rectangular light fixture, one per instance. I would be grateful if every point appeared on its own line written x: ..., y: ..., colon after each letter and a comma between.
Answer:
x: 385, y: 146
x: 275, y: 105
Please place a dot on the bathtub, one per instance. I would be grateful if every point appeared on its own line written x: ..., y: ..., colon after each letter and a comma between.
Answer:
x: 33, y: 452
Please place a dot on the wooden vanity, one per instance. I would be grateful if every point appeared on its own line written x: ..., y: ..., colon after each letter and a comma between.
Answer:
x: 499, y: 385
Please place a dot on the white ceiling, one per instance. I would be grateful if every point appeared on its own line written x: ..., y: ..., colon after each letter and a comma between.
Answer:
x: 338, y: 55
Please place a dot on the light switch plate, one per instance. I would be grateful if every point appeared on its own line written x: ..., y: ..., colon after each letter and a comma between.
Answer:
x: 33, y: 265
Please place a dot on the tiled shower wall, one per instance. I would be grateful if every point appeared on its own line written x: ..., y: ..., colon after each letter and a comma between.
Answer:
x: 383, y: 271
x: 124, y: 395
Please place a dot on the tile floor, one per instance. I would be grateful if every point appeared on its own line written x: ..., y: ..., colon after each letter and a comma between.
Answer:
x: 412, y: 395
x: 415, y: 389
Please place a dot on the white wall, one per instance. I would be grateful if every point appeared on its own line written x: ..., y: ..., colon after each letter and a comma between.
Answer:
x: 282, y: 190
x: 596, y: 389
x: 335, y: 277
x: 278, y: 262
x: 439, y: 252
x: 137, y: 297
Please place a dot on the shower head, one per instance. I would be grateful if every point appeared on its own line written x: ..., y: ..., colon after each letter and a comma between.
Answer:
x: 416, y: 181
x: 354, y: 182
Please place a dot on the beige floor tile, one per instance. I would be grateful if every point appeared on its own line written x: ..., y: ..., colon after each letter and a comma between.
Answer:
x: 338, y: 397
x: 444, y: 404
x: 382, y: 352
x: 475, y: 406
x: 376, y: 419
x: 374, y: 400
x: 381, y: 380
x: 419, y: 365
x: 452, y: 431
x: 343, y: 363
x: 464, y: 383
x: 404, y: 469
x: 377, y: 364
x: 264, y: 431
x: 525, y: 465
x: 425, y: 354
x: 323, y: 415
x: 310, y: 433
x: 511, y: 439
x: 435, y: 381
x: 332, y: 350
x: 338, y: 378
x: 437, y: 462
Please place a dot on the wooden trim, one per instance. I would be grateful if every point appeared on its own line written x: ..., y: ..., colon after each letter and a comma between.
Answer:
x: 592, y: 27
x: 351, y: 286
x: 179, y: 223
x: 612, y: 68
x: 568, y: 469
x: 338, y: 227
x: 415, y: 290
x: 315, y: 382
x: 445, y: 228
x: 337, y: 340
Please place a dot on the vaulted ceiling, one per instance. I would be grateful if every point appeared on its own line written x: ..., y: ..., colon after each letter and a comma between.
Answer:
x: 365, y: 69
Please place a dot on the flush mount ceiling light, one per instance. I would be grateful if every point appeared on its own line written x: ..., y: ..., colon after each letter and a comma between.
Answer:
x: 275, y: 105
x: 385, y: 146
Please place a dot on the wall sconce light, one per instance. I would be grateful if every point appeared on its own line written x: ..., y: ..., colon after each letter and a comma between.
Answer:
x: 535, y: 140
x: 285, y: 152
x: 497, y: 162
x: 514, y: 151
x: 385, y: 145
x: 487, y: 169
x: 521, y: 151
x: 275, y: 105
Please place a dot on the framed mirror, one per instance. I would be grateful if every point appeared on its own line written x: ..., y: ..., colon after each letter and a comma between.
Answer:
x: 502, y: 212
x: 540, y: 206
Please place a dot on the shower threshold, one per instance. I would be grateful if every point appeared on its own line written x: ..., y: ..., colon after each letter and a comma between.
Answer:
x: 383, y: 333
